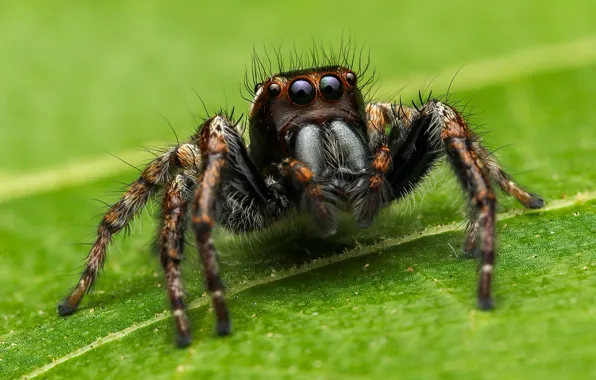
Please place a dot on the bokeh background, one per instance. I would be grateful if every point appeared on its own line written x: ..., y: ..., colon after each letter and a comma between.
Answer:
x: 83, y: 81
x: 80, y: 79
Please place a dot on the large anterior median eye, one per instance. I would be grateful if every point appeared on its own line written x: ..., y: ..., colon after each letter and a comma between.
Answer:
x: 302, y: 91
x: 331, y: 87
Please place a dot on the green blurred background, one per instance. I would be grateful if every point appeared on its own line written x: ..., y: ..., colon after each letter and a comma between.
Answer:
x: 82, y: 80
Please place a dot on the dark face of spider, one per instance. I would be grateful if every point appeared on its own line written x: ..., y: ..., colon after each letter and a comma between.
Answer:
x: 317, y: 115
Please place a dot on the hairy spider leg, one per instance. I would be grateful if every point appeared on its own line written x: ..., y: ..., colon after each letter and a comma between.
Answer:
x: 408, y: 147
x: 223, y: 152
x: 217, y: 150
x: 171, y: 246
x: 506, y: 183
x: 214, y: 152
x: 418, y: 137
x: 157, y: 173
x: 370, y: 196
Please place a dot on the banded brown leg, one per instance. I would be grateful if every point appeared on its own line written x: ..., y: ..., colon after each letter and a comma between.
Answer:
x: 122, y: 212
x: 171, y: 243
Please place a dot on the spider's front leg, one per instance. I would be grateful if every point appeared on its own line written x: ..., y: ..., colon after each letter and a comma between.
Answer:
x: 228, y: 181
x: 214, y: 152
x: 171, y: 246
x: 417, y: 138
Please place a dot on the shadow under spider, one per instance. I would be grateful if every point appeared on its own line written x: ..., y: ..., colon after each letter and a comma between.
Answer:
x: 293, y: 242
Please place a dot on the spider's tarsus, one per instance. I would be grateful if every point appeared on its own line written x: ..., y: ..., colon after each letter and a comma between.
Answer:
x: 183, y: 341
x: 536, y: 201
x: 485, y: 304
x: 64, y: 308
x: 224, y: 328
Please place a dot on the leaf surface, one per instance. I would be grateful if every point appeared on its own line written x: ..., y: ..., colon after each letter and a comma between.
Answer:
x: 395, y: 299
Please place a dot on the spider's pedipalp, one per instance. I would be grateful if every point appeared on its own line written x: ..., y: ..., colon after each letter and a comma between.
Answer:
x: 122, y: 212
x: 315, y: 198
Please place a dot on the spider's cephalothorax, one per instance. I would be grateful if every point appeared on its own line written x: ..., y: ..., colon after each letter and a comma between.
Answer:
x: 312, y: 126
x: 315, y: 145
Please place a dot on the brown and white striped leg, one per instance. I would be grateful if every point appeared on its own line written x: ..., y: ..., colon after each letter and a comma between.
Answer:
x: 446, y: 130
x: 379, y: 116
x: 412, y: 153
x: 171, y: 242
x: 388, y: 120
x: 449, y: 128
x: 123, y: 211
x: 214, y: 152
x: 417, y: 138
x: 505, y: 181
x: 483, y: 202
x: 373, y: 194
x: 492, y: 169
x: 224, y: 154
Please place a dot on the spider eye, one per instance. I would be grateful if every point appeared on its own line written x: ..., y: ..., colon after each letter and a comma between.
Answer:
x: 351, y: 78
x: 331, y: 87
x: 302, y: 92
x: 274, y: 90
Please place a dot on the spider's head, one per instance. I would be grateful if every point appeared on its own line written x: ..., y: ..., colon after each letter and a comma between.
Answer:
x: 315, y: 115
x: 311, y: 96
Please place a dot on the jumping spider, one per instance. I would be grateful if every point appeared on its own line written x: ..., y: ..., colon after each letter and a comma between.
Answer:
x: 316, y: 145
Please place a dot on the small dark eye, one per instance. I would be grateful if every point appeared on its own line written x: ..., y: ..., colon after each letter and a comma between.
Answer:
x: 331, y: 87
x: 351, y: 78
x: 274, y: 90
x: 302, y: 91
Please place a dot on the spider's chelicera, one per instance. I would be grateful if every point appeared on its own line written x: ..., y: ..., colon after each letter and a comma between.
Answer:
x: 316, y: 145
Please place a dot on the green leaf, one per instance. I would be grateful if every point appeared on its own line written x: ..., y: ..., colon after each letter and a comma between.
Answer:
x: 393, y: 300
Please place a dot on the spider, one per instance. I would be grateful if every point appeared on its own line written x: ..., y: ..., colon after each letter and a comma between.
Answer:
x: 317, y: 146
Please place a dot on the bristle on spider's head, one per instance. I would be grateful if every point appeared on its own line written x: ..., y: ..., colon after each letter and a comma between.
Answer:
x: 280, y: 62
